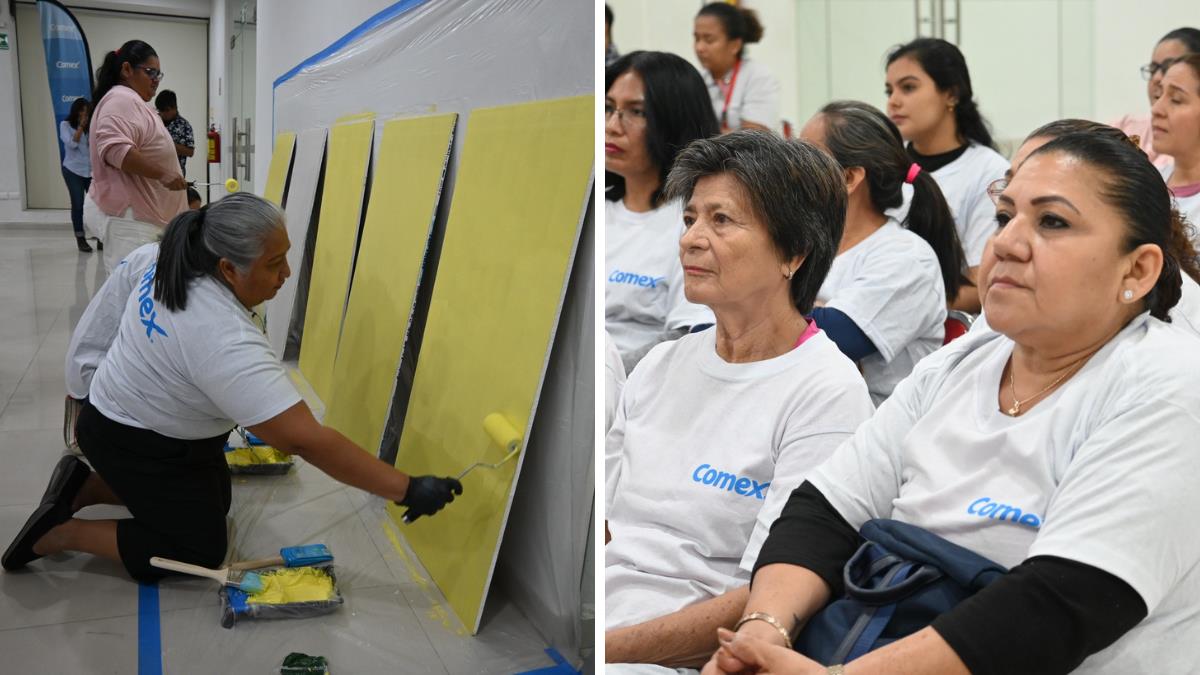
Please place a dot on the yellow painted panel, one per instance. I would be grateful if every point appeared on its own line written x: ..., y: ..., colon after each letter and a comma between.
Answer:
x: 337, y: 238
x: 281, y: 164
x: 524, y: 176
x: 405, y: 189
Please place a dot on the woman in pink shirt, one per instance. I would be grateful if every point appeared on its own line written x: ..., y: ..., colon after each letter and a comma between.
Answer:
x: 1172, y: 46
x: 137, y: 187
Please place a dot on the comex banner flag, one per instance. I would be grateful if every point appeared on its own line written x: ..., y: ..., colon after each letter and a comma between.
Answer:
x: 68, y: 66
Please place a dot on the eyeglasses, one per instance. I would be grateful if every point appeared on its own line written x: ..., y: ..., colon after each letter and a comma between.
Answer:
x: 153, y: 73
x: 636, y: 116
x: 1151, y: 69
x: 995, y: 187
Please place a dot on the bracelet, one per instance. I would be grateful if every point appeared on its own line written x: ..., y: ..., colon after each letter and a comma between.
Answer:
x: 763, y: 616
x: 838, y: 669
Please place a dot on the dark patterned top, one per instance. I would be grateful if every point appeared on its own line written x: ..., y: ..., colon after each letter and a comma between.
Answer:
x: 181, y: 133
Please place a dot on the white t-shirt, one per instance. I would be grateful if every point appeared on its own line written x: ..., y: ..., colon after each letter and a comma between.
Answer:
x: 701, y: 459
x: 190, y: 374
x: 614, y: 380
x: 755, y: 97
x: 964, y: 185
x: 1189, y: 206
x: 643, y: 290
x: 1101, y: 472
x: 890, y: 286
x: 97, y: 328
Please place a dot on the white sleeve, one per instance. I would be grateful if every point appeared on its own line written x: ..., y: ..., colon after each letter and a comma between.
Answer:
x: 863, y: 477
x: 67, y: 134
x: 245, y: 380
x: 1128, y: 499
x: 894, y: 299
x: 810, y: 438
x: 979, y: 216
x: 614, y: 380
x: 97, y: 328
x: 761, y: 104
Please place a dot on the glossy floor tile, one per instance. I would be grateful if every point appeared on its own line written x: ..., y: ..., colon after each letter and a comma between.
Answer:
x: 82, y: 613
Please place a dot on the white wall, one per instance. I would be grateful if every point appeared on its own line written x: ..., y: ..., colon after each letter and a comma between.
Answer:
x: 12, y: 179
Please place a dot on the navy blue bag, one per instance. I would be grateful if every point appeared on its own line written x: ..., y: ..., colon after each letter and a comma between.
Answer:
x: 897, y: 583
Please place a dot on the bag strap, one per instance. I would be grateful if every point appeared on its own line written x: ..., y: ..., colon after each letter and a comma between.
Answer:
x: 871, y: 623
x: 870, y: 560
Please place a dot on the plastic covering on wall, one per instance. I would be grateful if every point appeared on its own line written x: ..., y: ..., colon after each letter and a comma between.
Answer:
x: 423, y: 57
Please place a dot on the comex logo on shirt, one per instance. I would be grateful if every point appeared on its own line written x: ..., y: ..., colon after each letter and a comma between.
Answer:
x: 723, y: 480
x: 634, y: 279
x: 984, y: 507
x: 146, y: 305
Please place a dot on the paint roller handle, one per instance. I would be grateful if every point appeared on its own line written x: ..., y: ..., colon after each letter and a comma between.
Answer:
x: 427, y: 495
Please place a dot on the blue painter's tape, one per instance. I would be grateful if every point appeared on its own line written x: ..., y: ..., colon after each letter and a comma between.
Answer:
x: 370, y: 24
x: 149, y: 631
x: 560, y: 667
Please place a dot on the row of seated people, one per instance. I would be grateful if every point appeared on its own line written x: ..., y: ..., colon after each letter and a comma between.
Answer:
x: 755, y: 450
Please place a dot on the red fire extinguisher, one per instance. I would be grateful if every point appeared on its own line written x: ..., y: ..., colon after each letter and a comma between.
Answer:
x: 214, y: 145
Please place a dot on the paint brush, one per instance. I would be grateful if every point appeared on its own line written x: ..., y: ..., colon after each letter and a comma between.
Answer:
x: 291, y: 556
x: 249, y: 582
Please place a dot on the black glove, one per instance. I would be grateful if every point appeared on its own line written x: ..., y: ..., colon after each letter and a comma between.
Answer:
x: 427, y: 495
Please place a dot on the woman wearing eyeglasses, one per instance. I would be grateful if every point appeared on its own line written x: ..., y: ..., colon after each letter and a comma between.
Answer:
x: 654, y: 105
x: 1172, y: 46
x: 137, y: 187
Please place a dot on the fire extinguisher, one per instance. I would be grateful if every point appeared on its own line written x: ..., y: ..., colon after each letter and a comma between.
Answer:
x: 214, y: 145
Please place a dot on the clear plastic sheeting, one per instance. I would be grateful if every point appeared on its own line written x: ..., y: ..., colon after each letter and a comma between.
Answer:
x: 427, y: 57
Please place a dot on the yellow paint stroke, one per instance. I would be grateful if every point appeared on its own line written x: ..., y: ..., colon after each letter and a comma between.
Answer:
x: 297, y: 584
x: 281, y: 162
x: 259, y: 454
x: 436, y: 611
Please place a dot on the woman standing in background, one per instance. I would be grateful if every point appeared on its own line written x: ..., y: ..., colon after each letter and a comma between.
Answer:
x: 138, y: 187
x: 931, y: 101
x: 76, y: 163
x: 744, y: 94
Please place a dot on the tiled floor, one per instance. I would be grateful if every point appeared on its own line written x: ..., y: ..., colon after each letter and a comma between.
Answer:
x: 78, y: 614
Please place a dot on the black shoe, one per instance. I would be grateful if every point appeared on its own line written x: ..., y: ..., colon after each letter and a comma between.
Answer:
x: 20, y: 551
x: 99, y: 245
x: 83, y: 245
x: 69, y: 476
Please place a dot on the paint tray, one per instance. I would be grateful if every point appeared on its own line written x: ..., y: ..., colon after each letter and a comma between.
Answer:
x: 237, y: 605
x: 257, y: 460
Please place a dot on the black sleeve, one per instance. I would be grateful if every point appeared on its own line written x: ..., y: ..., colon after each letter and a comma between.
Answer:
x: 812, y: 534
x: 1045, y: 616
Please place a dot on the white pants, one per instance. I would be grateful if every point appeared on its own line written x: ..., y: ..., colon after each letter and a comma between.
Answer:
x: 120, y: 234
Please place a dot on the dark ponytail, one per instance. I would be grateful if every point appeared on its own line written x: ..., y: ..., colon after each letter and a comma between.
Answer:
x: 858, y: 134
x: 1137, y: 191
x: 108, y: 75
x: 740, y: 23
x: 947, y: 67
x: 233, y: 228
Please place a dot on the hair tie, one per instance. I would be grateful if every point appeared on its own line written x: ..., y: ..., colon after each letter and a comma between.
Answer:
x: 116, y: 52
x: 913, y: 170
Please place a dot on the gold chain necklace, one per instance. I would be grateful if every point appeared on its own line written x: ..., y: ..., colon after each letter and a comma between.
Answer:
x: 1015, y: 410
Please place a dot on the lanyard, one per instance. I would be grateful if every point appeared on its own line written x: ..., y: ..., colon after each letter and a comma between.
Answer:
x: 729, y: 93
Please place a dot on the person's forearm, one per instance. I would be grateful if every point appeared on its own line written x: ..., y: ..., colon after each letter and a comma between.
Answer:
x: 78, y: 133
x: 184, y: 150
x: 968, y: 296
x: 922, y: 653
x: 683, y: 639
x: 136, y: 163
x: 789, y: 593
x: 346, y: 462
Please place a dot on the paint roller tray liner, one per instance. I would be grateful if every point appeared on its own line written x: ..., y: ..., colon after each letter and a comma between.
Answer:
x: 257, y: 460
x: 318, y: 593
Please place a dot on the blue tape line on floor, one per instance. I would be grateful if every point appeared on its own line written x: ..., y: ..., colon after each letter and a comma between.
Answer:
x: 560, y: 667
x: 149, y: 632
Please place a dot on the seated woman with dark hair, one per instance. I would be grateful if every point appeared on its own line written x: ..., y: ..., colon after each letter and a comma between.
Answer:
x: 1077, y: 411
x: 654, y: 105
x: 884, y: 301
x: 715, y: 429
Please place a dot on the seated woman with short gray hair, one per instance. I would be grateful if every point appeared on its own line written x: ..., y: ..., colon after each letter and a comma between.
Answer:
x: 714, y: 430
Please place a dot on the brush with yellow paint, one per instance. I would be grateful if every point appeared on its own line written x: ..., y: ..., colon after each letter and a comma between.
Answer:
x: 250, y: 582
x: 502, y: 434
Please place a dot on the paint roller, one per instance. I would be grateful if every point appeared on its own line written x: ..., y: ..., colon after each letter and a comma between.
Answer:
x: 502, y: 434
x: 231, y: 185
